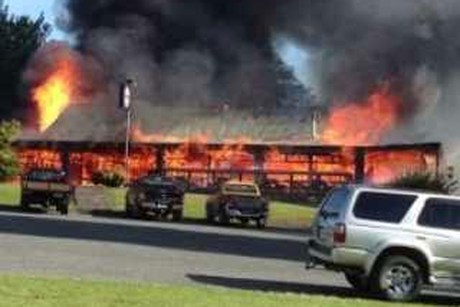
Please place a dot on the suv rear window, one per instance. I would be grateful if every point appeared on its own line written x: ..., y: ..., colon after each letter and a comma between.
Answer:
x: 383, y: 207
x: 441, y: 213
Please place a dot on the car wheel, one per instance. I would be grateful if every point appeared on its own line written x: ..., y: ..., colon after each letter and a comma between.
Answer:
x: 357, y: 281
x: 261, y: 223
x: 135, y: 212
x: 177, y: 215
x: 398, y: 278
x: 224, y: 219
x: 210, y: 218
x: 64, y: 209
x: 24, y: 205
x: 128, y: 211
x: 245, y: 222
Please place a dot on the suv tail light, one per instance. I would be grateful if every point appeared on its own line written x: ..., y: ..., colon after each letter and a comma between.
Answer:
x: 340, y: 233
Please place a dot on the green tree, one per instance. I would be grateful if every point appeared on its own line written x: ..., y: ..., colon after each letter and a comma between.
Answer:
x: 9, y: 163
x: 20, y: 37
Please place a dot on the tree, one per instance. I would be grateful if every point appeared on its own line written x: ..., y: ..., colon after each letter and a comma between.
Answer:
x: 20, y: 37
x: 9, y: 163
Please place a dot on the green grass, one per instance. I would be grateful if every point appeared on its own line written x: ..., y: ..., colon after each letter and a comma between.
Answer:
x: 283, y: 215
x: 10, y: 194
x: 46, y: 292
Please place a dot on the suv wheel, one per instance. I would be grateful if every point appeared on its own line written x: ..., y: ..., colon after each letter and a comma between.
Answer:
x: 357, y: 281
x: 398, y: 278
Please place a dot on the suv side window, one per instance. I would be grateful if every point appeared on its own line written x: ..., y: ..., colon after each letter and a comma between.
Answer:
x: 383, y: 207
x: 335, y: 201
x: 441, y: 213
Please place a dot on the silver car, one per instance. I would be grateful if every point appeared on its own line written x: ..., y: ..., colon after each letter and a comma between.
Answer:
x: 390, y: 242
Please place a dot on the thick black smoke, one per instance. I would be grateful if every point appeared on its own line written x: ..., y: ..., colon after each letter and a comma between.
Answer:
x: 187, y: 52
x: 203, y: 52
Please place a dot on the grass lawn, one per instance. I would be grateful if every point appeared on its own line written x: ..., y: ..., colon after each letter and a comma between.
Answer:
x: 41, y: 292
x: 282, y: 214
x: 10, y: 194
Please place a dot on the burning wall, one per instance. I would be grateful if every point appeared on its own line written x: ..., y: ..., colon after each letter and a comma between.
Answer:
x: 285, y: 169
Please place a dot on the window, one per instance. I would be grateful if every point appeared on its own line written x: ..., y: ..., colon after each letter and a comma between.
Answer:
x: 336, y: 201
x: 383, y: 207
x: 240, y: 188
x: 441, y: 213
x: 46, y: 176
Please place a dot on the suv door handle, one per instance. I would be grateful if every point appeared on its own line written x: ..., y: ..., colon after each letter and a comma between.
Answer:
x: 421, y: 238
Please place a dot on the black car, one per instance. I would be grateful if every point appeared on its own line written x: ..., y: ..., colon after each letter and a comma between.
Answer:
x: 155, y: 195
x: 48, y: 188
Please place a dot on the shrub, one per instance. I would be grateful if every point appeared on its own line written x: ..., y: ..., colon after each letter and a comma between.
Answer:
x: 9, y: 163
x: 110, y: 179
x: 440, y: 183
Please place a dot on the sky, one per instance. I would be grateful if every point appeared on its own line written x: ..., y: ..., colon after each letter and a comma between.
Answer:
x: 34, y: 8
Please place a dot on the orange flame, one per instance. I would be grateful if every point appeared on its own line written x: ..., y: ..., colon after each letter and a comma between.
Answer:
x: 55, y: 94
x: 383, y: 167
x: 363, y: 123
x: 201, y: 164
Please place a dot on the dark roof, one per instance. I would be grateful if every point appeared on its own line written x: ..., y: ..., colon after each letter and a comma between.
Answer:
x: 99, y: 123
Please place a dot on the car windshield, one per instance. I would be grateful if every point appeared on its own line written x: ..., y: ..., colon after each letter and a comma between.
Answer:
x: 46, y: 175
x: 246, y: 189
x: 158, y: 182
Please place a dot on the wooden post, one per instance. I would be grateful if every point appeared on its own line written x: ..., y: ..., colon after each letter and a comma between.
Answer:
x: 360, y: 164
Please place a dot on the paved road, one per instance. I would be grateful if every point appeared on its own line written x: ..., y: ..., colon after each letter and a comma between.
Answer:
x: 102, y: 248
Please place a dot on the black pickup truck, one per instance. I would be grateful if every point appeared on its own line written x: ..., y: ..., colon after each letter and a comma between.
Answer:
x: 237, y: 200
x: 155, y: 195
x: 48, y: 188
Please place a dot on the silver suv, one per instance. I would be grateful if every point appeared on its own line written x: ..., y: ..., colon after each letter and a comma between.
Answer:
x: 389, y: 242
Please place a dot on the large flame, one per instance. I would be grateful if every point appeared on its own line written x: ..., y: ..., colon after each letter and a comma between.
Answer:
x: 363, y: 123
x: 55, y: 94
x: 203, y: 165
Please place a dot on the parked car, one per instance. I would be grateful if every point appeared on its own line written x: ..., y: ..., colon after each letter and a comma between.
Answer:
x: 240, y: 201
x: 48, y: 188
x: 389, y: 242
x: 155, y: 195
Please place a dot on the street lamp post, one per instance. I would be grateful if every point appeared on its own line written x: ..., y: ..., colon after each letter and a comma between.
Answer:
x: 125, y: 104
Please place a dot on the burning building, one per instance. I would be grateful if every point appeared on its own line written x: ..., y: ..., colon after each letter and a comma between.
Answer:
x: 283, y: 157
x: 205, y: 112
